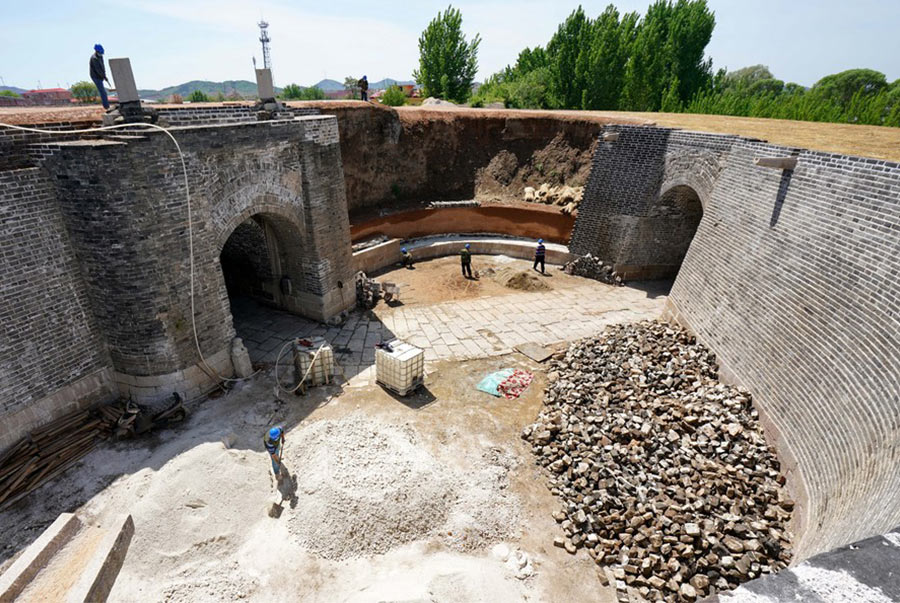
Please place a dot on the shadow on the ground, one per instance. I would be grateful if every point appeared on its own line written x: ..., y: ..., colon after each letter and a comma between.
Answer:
x: 654, y: 289
x: 415, y: 400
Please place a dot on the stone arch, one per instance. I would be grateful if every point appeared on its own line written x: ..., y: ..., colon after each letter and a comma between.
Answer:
x: 675, y: 217
x: 272, y: 245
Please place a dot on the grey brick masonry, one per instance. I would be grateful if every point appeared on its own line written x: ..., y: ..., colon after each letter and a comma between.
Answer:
x: 792, y: 279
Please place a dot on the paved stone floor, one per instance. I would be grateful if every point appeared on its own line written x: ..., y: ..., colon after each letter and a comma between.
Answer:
x: 460, y: 330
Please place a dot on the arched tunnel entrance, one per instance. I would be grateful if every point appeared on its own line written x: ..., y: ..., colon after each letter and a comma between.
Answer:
x: 677, y: 216
x: 246, y: 263
x: 262, y: 270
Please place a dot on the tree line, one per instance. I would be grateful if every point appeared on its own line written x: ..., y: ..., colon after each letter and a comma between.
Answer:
x: 655, y: 62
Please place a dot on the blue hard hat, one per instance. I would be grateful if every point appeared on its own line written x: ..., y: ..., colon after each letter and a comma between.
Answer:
x: 98, y: 48
x: 364, y: 77
x: 540, y: 240
x: 275, y: 433
x: 467, y: 245
x: 403, y: 249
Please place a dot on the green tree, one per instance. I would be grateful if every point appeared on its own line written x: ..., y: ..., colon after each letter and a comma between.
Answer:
x: 670, y: 42
x: 447, y: 62
x: 292, y: 92
x: 351, y: 85
x: 198, y: 96
x: 219, y: 97
x: 393, y: 97
x: 568, y: 50
x: 671, y: 101
x: 841, y: 87
x: 84, y: 92
x: 9, y: 93
x: 313, y: 93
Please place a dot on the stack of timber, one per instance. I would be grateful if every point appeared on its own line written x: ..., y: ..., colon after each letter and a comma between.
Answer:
x: 49, y: 450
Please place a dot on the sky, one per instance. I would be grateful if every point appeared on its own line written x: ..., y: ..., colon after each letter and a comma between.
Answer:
x: 47, y: 43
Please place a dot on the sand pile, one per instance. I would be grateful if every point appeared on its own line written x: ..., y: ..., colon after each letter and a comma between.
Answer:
x: 365, y: 487
x: 521, y: 280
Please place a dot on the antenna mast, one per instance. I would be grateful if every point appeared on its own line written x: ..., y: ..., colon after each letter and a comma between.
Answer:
x: 264, y: 39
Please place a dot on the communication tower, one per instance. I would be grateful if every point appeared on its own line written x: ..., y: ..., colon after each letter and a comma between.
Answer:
x: 264, y: 39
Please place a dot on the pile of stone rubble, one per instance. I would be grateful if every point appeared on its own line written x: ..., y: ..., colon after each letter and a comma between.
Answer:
x: 568, y: 197
x: 592, y: 267
x: 663, y: 472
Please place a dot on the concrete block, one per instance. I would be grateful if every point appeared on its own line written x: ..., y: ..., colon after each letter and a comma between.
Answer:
x: 126, y: 89
x: 37, y: 555
x: 102, y: 570
x: 264, y: 86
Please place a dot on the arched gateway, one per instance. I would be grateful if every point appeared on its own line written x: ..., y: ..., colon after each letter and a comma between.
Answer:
x: 128, y: 216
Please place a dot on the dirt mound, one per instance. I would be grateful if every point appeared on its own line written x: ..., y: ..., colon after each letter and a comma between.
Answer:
x: 562, y: 162
x: 521, y: 280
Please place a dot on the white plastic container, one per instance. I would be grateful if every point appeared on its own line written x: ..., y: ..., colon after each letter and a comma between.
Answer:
x: 401, y: 370
x: 323, y: 368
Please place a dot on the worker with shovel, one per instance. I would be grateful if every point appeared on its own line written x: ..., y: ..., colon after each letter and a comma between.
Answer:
x: 274, y: 442
x: 465, y: 259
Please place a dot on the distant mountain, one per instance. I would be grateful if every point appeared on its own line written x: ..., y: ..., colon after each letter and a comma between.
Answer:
x: 329, y: 85
x: 388, y: 82
x: 18, y: 91
x: 244, y: 88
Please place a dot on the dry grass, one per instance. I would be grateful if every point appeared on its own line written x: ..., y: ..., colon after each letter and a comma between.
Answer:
x: 867, y: 141
x: 848, y: 139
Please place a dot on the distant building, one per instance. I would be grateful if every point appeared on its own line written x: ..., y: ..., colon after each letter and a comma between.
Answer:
x: 48, y: 96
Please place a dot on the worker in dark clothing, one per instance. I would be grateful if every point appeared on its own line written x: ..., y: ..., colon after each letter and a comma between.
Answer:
x: 540, y: 253
x: 98, y: 74
x: 363, y: 88
x: 274, y: 443
x: 465, y: 258
x: 406, y: 258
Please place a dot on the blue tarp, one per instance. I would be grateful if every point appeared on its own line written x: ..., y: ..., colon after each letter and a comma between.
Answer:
x: 490, y: 383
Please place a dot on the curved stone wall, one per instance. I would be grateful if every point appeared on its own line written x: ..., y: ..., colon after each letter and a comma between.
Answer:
x: 793, y: 279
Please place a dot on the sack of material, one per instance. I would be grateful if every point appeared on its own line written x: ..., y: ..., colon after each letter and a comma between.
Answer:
x: 491, y: 383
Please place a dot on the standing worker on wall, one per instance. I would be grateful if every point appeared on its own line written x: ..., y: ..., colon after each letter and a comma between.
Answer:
x: 363, y: 88
x: 540, y: 253
x: 465, y: 258
x: 274, y: 442
x: 98, y: 74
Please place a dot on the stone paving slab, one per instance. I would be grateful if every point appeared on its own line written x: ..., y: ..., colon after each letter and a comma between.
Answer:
x: 461, y: 330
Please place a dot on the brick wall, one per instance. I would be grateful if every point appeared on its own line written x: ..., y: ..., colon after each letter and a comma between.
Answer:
x: 50, y: 338
x: 15, y: 152
x: 124, y: 205
x: 190, y: 115
x: 792, y: 279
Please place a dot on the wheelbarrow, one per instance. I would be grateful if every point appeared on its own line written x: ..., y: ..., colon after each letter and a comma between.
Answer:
x: 390, y: 291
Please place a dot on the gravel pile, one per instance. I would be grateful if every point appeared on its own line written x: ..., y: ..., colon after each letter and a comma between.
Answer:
x: 591, y: 267
x: 663, y: 472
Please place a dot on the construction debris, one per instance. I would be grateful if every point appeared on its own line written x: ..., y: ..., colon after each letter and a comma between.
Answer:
x: 568, y: 197
x: 594, y: 268
x: 663, y: 472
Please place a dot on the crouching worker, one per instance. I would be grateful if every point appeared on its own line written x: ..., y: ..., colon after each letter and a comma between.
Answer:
x: 274, y: 442
x: 406, y: 258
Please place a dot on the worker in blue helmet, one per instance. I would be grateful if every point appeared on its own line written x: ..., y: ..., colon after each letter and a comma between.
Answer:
x: 98, y: 74
x: 540, y: 253
x: 363, y: 88
x: 274, y: 442
x: 406, y: 258
x: 465, y: 258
